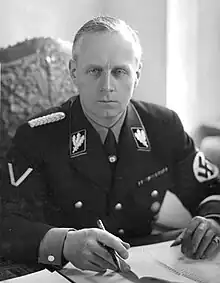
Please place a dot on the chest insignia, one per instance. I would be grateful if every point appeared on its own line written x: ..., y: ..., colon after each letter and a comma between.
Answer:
x: 50, y: 118
x: 153, y: 176
x: 141, y: 138
x: 78, y: 143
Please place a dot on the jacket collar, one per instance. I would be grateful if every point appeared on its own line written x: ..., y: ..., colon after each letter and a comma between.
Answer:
x: 87, y: 153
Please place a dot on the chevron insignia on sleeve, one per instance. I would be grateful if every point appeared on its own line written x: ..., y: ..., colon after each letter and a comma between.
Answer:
x: 19, y: 180
x: 203, y: 169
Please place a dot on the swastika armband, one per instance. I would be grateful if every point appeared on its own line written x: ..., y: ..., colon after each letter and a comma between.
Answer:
x: 203, y: 169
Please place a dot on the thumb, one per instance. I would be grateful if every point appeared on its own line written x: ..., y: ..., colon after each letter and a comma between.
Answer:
x: 126, y: 245
x: 113, y: 242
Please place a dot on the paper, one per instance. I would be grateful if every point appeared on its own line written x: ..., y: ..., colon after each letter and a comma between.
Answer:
x: 157, y: 261
x: 143, y: 267
x: 39, y: 276
x: 201, y: 271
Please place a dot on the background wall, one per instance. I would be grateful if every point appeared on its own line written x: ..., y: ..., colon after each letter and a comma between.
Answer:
x: 193, y: 61
x: 62, y: 18
x: 208, y: 61
x: 28, y: 18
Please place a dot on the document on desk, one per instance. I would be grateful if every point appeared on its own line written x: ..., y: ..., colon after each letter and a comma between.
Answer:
x: 154, y: 261
x: 39, y: 276
x: 200, y: 271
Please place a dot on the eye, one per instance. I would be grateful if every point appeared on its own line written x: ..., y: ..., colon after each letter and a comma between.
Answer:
x: 119, y: 72
x: 94, y: 71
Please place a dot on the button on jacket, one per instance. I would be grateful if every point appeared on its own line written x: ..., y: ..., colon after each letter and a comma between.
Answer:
x: 57, y: 175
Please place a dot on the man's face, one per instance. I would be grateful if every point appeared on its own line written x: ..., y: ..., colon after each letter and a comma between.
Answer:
x: 106, y: 73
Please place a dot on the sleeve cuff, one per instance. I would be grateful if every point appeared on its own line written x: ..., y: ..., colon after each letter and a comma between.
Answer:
x: 210, y: 207
x: 51, y: 247
x: 213, y: 216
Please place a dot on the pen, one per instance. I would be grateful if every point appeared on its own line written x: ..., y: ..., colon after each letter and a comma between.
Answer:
x: 178, y: 240
x: 109, y: 249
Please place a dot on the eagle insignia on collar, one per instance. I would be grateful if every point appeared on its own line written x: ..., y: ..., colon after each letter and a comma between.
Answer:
x: 141, y: 138
x: 78, y: 143
x: 47, y: 119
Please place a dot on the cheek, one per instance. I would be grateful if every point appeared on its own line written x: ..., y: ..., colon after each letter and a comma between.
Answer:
x: 87, y: 84
x: 127, y: 86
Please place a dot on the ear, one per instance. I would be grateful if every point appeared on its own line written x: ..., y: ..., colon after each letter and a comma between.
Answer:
x: 72, y: 69
x: 138, y: 74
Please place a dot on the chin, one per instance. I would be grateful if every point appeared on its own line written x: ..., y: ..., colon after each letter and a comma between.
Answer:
x: 109, y: 113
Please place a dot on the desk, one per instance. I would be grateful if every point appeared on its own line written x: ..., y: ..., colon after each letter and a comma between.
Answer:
x: 10, y: 270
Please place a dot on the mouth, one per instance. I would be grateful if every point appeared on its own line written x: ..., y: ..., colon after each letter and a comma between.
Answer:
x: 108, y: 101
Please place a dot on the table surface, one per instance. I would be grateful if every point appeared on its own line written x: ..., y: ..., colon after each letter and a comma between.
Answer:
x: 9, y: 269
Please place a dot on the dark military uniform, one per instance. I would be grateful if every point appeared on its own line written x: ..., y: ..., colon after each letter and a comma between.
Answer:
x: 58, y: 175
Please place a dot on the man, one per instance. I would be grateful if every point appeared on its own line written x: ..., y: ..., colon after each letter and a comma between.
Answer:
x: 63, y: 172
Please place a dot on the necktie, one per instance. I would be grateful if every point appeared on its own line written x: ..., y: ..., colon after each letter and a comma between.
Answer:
x: 110, y: 146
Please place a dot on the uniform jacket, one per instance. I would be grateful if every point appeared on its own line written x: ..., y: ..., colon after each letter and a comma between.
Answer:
x: 58, y: 175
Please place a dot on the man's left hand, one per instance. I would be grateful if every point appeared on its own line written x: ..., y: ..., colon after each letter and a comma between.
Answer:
x: 201, y: 239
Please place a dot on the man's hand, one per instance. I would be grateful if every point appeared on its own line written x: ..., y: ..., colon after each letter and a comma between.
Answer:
x: 201, y: 239
x: 85, y: 250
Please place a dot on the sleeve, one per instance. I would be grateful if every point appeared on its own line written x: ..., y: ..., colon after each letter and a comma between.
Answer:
x: 197, y: 182
x: 22, y: 200
x: 51, y: 247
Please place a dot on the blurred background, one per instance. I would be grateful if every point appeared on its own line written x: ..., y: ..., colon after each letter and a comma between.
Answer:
x: 180, y: 40
x: 181, y: 56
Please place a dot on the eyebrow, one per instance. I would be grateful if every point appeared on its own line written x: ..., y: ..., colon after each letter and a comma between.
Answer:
x: 93, y: 66
x: 127, y: 67
x: 123, y: 66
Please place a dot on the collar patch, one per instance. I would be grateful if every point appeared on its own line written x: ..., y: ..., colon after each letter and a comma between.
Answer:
x: 141, y: 138
x: 78, y: 143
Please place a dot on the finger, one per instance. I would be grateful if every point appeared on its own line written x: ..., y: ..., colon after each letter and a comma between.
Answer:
x: 125, y: 244
x: 102, y: 263
x: 113, y: 242
x: 186, y: 246
x: 98, y: 250
x: 124, y: 267
x: 198, y: 235
x: 192, y: 227
x: 204, y: 243
x: 213, y: 247
x: 179, y: 239
x: 90, y: 265
x: 101, y: 251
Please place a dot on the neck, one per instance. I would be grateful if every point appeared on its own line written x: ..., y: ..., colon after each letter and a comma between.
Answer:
x: 104, y: 122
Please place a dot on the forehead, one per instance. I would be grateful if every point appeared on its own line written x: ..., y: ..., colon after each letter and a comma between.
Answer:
x: 106, y: 48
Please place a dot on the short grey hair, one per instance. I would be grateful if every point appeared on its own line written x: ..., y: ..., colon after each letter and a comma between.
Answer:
x: 101, y: 24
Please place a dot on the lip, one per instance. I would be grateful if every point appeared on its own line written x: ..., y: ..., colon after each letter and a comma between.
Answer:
x: 109, y: 101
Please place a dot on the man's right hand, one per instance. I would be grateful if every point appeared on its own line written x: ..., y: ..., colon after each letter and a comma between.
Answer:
x: 85, y: 250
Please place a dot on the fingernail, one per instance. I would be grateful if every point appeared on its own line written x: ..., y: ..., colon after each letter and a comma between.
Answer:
x: 126, y: 244
x: 125, y: 254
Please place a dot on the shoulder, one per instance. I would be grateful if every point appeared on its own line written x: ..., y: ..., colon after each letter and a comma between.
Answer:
x: 45, y: 124
x: 51, y: 115
x: 155, y: 113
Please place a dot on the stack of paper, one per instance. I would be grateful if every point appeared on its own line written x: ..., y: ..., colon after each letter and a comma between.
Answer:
x: 40, y: 276
x: 157, y: 261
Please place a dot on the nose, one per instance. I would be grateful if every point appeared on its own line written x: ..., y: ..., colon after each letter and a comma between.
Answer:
x: 106, y: 82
